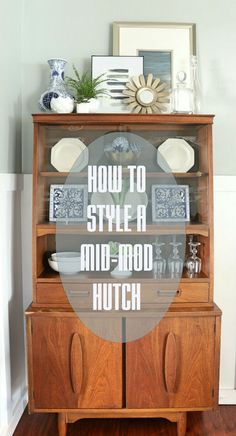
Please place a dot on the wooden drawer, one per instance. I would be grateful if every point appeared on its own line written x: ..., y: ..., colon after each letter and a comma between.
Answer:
x: 81, y: 294
x: 183, y: 293
x: 53, y: 293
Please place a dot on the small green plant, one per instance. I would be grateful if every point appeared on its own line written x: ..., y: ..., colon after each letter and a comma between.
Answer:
x: 84, y: 87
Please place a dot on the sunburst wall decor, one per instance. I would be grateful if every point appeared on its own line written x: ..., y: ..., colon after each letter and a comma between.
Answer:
x: 147, y: 96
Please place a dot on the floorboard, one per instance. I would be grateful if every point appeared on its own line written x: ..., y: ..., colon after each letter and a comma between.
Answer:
x: 219, y: 423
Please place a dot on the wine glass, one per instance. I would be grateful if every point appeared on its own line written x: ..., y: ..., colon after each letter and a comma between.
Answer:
x: 175, y: 262
x: 194, y: 263
x: 159, y: 263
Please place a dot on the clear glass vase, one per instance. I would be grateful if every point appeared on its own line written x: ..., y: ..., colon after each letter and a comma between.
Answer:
x: 56, y: 87
x: 182, y: 96
x: 195, y: 85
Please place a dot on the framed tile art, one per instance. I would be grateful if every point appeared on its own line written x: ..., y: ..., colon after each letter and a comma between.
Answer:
x: 170, y: 203
x: 68, y: 203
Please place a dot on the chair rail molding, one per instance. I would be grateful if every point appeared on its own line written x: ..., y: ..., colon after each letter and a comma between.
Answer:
x: 225, y: 264
x: 13, y: 394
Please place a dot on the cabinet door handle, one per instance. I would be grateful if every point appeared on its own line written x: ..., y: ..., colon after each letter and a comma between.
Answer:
x: 79, y: 293
x: 170, y: 363
x: 76, y: 364
x: 169, y: 293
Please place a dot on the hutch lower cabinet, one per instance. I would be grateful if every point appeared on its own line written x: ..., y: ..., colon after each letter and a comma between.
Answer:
x: 174, y: 368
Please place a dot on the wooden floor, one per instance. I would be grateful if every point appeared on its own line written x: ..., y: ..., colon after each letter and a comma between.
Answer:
x: 219, y: 423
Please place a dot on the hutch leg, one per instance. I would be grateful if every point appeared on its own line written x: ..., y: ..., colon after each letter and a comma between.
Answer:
x: 62, y: 425
x: 181, y: 424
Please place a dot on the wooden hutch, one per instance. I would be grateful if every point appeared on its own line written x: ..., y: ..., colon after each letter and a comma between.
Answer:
x: 170, y: 371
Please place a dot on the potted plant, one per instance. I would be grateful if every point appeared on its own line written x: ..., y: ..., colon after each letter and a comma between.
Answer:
x: 85, y: 90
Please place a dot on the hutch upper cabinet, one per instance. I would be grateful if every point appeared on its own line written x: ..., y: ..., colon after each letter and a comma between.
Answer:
x: 175, y: 367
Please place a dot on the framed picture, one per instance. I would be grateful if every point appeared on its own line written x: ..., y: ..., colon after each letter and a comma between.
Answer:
x: 170, y: 203
x: 117, y: 72
x: 166, y: 47
x: 68, y: 203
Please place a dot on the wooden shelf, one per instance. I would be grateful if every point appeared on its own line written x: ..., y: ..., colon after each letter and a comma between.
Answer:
x: 148, y: 174
x: 142, y: 277
x: 80, y: 121
x: 152, y: 230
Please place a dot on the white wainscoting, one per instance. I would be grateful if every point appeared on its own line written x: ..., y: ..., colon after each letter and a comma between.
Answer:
x: 16, y: 286
x: 225, y: 280
x: 13, y: 390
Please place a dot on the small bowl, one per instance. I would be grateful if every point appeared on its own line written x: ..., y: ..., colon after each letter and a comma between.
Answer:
x: 67, y: 267
x: 66, y: 256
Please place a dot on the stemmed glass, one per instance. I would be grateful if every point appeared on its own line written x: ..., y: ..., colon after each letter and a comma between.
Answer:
x: 159, y: 263
x: 175, y: 263
x: 193, y: 263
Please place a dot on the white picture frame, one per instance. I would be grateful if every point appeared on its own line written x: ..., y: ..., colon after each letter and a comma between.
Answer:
x: 179, y: 39
x: 118, y: 70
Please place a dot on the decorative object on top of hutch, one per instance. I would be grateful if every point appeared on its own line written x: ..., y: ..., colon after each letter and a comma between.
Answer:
x: 85, y: 90
x: 117, y: 71
x: 175, y: 367
x: 166, y: 47
x: 146, y: 95
x: 57, y: 93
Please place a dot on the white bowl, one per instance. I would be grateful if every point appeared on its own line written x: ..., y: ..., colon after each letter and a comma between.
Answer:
x: 66, y: 256
x: 66, y: 267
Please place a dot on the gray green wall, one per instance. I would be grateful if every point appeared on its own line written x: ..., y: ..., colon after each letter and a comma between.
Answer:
x: 76, y: 29
x: 10, y: 67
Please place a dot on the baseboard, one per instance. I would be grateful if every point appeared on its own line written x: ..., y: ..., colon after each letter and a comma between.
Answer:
x: 15, y: 418
x: 227, y: 396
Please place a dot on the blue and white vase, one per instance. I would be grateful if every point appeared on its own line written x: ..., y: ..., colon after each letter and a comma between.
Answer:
x: 56, y: 87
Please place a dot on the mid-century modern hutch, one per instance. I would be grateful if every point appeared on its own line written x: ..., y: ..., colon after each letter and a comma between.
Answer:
x: 175, y: 367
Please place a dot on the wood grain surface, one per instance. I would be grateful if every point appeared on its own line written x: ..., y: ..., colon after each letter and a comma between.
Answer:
x: 218, y: 423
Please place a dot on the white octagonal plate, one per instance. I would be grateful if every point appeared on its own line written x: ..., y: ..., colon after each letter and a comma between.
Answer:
x: 175, y: 155
x: 65, y: 153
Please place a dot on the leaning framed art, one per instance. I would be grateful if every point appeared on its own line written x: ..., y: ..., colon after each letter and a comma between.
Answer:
x: 165, y: 47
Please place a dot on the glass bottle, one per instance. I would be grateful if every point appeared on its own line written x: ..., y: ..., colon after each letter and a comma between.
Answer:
x: 182, y: 95
x: 195, y: 85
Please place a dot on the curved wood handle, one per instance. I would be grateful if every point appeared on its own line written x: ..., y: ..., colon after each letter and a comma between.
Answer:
x: 170, y: 363
x: 76, y: 364
x: 169, y: 293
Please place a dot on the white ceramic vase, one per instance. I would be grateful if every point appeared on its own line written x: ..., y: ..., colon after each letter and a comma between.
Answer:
x: 62, y: 105
x: 90, y: 106
x: 82, y: 108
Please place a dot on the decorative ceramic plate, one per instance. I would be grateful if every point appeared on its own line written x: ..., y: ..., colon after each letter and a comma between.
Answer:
x: 130, y: 198
x: 175, y: 155
x: 66, y: 152
x: 136, y: 198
